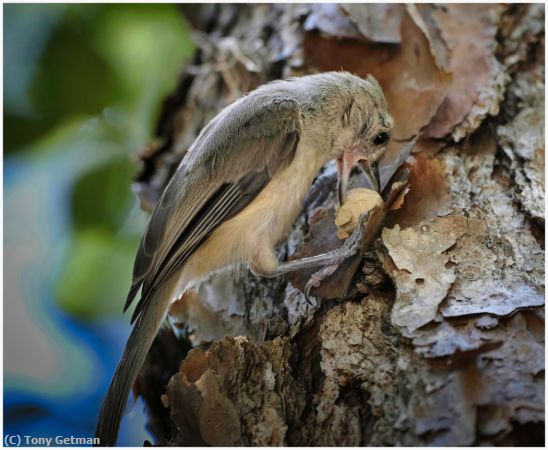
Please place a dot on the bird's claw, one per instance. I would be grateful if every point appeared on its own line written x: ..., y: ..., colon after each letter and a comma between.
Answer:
x: 316, y: 278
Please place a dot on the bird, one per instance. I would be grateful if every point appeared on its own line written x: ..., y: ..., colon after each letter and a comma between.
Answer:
x: 237, y: 192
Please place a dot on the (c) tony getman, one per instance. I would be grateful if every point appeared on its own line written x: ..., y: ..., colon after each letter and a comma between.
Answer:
x: 237, y: 193
x: 26, y: 440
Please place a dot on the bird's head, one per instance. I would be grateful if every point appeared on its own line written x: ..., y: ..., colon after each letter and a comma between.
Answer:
x: 363, y: 132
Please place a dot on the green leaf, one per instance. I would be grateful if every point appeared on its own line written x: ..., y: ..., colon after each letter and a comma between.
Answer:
x: 101, y: 197
x: 73, y: 77
x: 63, y: 61
x: 97, y: 274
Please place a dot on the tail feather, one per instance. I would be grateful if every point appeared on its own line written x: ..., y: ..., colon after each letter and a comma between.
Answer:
x: 136, y: 349
x: 132, y: 293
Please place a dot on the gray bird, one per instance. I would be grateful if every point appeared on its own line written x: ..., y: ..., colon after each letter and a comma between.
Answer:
x: 238, y: 191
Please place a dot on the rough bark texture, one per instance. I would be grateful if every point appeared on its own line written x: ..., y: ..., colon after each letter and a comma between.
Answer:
x: 439, y: 337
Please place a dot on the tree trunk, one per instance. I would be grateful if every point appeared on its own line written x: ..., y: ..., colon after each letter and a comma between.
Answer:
x: 434, y: 337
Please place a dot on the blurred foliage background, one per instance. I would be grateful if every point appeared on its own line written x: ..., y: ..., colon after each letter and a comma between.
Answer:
x: 82, y: 88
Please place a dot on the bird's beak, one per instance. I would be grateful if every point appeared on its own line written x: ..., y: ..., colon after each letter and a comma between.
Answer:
x: 371, y: 171
x: 344, y: 166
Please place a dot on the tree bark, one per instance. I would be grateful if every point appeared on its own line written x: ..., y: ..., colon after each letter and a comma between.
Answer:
x: 436, y: 336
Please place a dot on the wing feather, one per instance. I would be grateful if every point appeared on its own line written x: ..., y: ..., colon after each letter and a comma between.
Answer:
x: 222, y: 206
x: 230, y: 162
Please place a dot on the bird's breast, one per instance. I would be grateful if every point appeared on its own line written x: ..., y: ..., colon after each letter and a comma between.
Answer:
x: 277, y: 206
x: 264, y: 222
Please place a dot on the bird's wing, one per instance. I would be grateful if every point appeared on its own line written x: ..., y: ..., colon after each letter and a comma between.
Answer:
x: 231, y: 161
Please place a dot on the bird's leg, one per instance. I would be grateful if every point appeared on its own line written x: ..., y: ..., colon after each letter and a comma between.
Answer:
x: 332, y: 258
x: 264, y: 260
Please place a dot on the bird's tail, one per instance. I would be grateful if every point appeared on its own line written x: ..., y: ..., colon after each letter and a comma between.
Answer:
x: 137, y: 347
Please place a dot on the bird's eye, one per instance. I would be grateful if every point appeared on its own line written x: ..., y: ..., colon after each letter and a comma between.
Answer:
x: 381, y: 138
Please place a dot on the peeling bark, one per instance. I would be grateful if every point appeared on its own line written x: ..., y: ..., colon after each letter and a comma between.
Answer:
x: 439, y: 337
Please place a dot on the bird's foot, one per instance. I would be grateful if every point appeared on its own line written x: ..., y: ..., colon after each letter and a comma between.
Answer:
x: 316, y: 279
